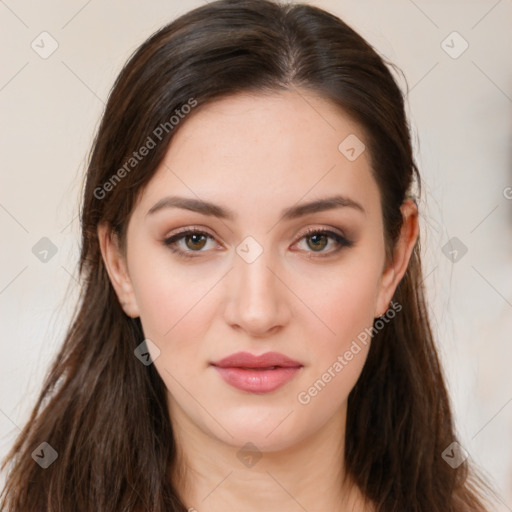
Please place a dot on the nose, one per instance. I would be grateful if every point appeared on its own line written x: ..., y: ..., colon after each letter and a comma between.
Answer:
x: 258, y: 297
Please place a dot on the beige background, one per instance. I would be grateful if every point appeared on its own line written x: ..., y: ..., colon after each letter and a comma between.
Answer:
x: 460, y: 112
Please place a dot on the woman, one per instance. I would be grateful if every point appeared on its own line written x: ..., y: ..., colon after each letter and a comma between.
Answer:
x: 252, y: 332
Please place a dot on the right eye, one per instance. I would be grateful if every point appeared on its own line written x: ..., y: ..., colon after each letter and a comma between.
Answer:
x: 188, y: 242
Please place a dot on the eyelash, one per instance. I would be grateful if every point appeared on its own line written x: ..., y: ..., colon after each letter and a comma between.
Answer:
x: 339, y: 239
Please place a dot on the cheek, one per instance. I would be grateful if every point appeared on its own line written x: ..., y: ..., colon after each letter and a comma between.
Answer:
x: 175, y: 307
x: 345, y: 302
x: 347, y: 307
x: 171, y: 313
x: 169, y: 295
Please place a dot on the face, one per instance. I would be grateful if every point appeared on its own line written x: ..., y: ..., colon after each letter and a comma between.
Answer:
x: 263, y: 272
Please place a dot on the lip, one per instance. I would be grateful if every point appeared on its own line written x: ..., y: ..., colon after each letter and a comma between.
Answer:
x: 257, y: 374
x: 248, y: 360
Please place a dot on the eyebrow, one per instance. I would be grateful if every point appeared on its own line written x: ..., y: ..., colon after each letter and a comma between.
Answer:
x: 293, y: 212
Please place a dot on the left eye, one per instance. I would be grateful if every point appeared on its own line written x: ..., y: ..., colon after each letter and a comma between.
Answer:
x: 194, y: 241
x: 317, y: 240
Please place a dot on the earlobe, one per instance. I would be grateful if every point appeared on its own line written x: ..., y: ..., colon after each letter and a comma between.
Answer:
x: 115, y: 264
x: 404, y: 247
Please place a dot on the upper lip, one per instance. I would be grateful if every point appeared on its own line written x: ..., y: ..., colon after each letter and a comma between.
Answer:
x: 247, y: 360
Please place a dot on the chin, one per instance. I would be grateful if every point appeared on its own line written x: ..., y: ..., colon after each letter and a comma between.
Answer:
x: 269, y: 432
x: 248, y: 440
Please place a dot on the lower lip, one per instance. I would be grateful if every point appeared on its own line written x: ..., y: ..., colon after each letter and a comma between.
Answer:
x: 257, y: 381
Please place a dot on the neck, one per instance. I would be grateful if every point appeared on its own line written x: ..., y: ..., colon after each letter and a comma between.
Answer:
x: 213, y: 476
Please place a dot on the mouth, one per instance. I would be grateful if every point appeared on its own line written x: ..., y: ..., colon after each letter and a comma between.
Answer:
x: 256, y: 368
x: 257, y: 374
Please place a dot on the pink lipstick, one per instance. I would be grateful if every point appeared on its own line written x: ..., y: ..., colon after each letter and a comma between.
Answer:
x: 257, y: 374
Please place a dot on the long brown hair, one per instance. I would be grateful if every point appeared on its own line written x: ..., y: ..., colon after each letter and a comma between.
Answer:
x: 104, y: 412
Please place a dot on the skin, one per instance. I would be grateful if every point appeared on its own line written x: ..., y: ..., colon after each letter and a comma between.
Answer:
x: 256, y: 155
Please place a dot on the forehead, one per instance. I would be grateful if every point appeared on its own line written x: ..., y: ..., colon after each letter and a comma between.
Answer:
x: 249, y: 151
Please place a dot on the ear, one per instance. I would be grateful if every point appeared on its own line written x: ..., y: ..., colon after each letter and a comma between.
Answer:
x: 115, y: 263
x: 396, y: 268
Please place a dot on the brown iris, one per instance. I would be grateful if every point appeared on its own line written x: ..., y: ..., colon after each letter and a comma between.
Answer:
x: 322, y: 241
x: 198, y: 243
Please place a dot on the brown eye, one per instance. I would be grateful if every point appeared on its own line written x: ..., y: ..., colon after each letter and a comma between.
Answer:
x: 197, y: 241
x: 188, y: 242
x: 319, y: 241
